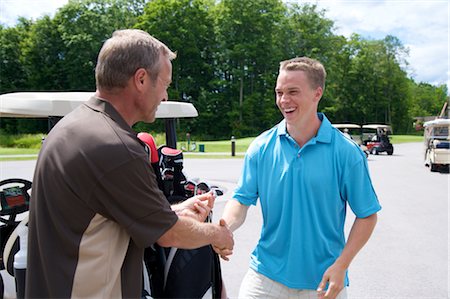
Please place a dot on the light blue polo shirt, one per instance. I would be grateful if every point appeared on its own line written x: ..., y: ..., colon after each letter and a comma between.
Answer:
x: 303, y: 194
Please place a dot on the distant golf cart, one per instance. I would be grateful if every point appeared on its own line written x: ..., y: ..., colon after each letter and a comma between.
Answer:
x: 437, y: 144
x: 15, y: 192
x: 353, y: 132
x: 376, y: 138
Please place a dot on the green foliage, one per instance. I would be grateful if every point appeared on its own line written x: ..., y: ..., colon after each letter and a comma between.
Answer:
x: 186, y: 26
x: 12, y: 73
x: 249, y: 35
x: 29, y: 141
x: 427, y: 99
x: 228, y: 58
x: 84, y: 25
x: 42, y: 57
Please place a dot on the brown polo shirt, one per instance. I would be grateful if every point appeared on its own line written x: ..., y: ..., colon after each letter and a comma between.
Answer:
x: 95, y: 206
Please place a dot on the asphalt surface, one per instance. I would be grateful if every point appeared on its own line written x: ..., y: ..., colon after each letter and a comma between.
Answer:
x: 408, y: 254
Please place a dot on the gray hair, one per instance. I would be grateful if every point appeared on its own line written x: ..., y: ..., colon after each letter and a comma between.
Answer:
x: 313, y: 69
x: 124, y: 53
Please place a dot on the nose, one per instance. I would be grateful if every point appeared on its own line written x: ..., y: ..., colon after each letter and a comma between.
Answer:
x: 165, y: 97
x: 283, y: 98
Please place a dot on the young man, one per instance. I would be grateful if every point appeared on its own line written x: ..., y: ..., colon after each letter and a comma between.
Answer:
x: 96, y: 204
x: 304, y: 173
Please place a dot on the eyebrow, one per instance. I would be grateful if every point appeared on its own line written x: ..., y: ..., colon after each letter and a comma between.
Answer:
x: 289, y: 89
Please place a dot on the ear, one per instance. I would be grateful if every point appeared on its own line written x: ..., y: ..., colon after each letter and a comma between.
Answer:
x: 318, y: 94
x: 139, y: 78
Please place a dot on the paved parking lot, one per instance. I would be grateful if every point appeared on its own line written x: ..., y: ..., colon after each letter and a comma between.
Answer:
x: 408, y: 254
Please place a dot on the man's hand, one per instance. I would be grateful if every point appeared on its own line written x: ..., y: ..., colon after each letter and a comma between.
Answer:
x: 224, y: 247
x: 334, y: 276
x: 197, y: 207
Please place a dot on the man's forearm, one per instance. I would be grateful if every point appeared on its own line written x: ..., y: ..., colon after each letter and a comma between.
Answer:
x: 188, y: 233
x: 359, y: 235
x: 234, y: 214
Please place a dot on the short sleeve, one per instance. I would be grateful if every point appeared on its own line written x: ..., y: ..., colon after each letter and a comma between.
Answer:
x: 129, y: 195
x: 247, y: 188
x: 358, y: 191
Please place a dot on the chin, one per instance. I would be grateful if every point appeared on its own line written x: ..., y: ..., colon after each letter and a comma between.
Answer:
x: 150, y: 119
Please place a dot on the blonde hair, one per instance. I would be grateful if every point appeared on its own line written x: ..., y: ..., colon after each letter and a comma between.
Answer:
x: 124, y: 53
x: 313, y: 69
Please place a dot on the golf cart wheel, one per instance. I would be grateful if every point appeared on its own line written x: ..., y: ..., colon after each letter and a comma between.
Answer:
x: 374, y: 151
x: 390, y: 152
x: 433, y: 167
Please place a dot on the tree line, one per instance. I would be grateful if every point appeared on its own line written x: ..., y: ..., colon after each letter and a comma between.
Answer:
x: 228, y: 58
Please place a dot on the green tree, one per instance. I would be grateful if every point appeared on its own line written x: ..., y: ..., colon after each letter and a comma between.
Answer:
x: 42, y: 56
x: 426, y: 99
x: 186, y: 26
x: 249, y: 39
x: 375, y: 88
x: 12, y: 73
x: 83, y: 26
x: 307, y: 32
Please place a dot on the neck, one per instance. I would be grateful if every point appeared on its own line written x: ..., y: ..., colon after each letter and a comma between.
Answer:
x: 305, y: 129
x: 119, y: 99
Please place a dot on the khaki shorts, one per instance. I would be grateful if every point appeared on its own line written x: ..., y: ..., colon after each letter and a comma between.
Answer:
x: 256, y: 285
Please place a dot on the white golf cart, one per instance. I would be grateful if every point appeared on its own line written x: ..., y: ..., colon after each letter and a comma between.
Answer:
x: 353, y: 132
x: 15, y: 193
x: 54, y: 105
x: 437, y: 144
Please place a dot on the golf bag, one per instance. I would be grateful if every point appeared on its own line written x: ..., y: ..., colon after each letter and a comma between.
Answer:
x: 172, y: 272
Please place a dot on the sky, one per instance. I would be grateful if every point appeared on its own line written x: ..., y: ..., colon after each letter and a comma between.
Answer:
x: 422, y: 26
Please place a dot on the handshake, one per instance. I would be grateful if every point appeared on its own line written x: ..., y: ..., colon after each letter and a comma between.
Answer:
x: 192, y: 214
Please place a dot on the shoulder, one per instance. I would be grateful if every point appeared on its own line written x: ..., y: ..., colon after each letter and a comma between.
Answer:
x: 99, y: 137
x: 262, y: 141
x: 345, y: 147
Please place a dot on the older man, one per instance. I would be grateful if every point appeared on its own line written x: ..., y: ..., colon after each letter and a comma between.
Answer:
x: 96, y: 204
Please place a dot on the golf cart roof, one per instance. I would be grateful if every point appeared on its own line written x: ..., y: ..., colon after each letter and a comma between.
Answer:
x: 437, y: 123
x: 348, y: 126
x: 45, y: 104
x: 376, y: 126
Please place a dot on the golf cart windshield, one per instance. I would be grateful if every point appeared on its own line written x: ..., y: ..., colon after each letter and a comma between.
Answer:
x: 373, y: 130
x: 353, y: 130
x: 438, y: 129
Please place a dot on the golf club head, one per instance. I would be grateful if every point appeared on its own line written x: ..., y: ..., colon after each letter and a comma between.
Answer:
x: 190, y: 188
x: 202, y: 188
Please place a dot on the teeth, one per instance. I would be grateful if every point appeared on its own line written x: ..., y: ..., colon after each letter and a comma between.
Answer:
x: 289, y: 109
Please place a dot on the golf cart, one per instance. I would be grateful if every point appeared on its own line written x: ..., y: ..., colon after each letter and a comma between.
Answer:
x: 353, y: 132
x: 54, y: 105
x: 15, y: 194
x: 376, y: 138
x: 437, y: 144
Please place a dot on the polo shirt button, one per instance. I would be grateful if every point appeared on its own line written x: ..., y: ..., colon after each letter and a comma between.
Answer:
x: 298, y: 155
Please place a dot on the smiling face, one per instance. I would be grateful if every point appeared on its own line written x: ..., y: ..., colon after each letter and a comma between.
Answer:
x: 295, y: 96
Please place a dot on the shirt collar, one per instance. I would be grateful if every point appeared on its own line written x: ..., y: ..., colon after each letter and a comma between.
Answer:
x: 323, y: 134
x: 106, y: 108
